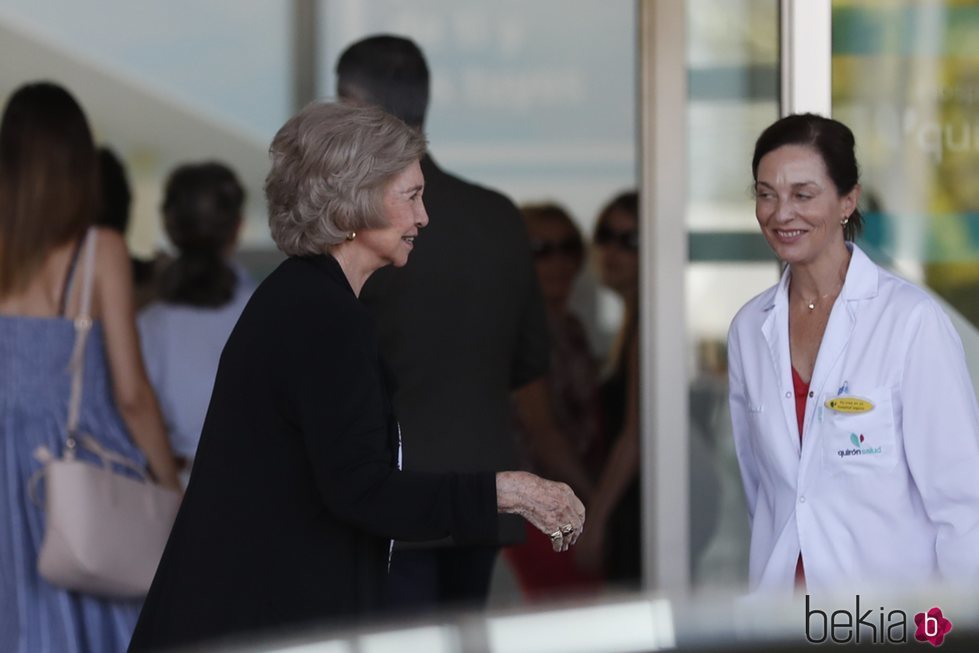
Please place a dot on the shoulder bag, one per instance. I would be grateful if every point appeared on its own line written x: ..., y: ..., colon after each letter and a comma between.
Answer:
x: 105, y: 530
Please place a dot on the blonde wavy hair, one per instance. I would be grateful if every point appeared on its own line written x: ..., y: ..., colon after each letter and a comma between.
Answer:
x: 330, y: 165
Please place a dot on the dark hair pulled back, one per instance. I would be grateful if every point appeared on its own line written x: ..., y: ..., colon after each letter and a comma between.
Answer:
x: 831, y: 139
x: 202, y: 210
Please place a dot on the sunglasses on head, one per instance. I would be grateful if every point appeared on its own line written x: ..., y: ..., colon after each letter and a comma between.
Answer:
x: 622, y: 239
x: 568, y: 247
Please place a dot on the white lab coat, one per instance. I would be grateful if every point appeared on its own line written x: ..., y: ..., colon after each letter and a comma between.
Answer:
x: 905, y: 510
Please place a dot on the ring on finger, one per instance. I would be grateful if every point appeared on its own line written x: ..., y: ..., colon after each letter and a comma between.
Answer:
x: 567, y: 529
x: 556, y: 535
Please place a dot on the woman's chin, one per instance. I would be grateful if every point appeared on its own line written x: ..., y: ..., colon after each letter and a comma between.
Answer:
x: 788, y: 253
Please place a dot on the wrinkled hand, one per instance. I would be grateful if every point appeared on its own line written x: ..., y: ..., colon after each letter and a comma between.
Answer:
x: 551, y: 507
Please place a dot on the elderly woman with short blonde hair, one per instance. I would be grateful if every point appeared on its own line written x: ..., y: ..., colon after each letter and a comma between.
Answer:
x: 320, y: 193
x: 296, y: 491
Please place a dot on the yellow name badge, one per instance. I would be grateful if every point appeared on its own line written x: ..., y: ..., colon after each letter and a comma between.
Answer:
x: 849, y: 405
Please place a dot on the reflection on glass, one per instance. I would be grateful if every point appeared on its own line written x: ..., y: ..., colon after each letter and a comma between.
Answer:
x: 199, y: 53
x: 538, y: 101
x: 517, y: 102
x: 906, y: 80
x: 733, y: 86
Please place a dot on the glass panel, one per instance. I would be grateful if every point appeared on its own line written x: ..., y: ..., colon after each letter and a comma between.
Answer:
x: 163, y: 83
x: 733, y: 94
x: 201, y: 52
x: 906, y: 80
x: 535, y: 99
x: 517, y: 103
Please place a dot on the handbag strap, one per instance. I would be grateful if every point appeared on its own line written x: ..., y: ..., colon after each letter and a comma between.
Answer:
x: 69, y: 278
x: 44, y: 456
x: 83, y: 326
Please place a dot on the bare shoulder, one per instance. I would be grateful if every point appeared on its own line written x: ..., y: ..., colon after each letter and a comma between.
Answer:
x: 113, y: 273
x: 112, y: 262
x: 111, y: 248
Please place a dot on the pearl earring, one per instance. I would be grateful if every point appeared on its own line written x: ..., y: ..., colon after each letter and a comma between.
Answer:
x: 351, y: 235
x: 845, y: 219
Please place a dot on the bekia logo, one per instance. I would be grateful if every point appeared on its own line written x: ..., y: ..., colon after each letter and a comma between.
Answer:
x: 932, y: 626
x: 884, y: 627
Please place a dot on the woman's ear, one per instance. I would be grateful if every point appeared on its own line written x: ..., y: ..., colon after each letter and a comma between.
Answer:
x: 851, y: 200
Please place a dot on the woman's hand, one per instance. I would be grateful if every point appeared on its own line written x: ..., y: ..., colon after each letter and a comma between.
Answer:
x: 551, y: 507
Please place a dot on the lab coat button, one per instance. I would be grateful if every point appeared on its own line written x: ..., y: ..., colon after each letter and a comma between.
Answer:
x: 788, y: 395
x: 802, y: 499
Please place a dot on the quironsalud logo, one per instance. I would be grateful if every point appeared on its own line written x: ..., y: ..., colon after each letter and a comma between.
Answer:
x: 858, y: 448
x: 874, y: 626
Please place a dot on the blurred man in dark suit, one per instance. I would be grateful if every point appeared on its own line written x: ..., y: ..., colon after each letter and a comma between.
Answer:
x: 463, y: 328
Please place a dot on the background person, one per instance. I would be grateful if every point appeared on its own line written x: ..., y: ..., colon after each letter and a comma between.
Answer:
x: 202, y: 293
x: 115, y: 211
x: 612, y: 544
x: 49, y: 195
x: 296, y: 488
x: 870, y: 374
x: 572, y: 394
x: 558, y: 250
x: 462, y: 327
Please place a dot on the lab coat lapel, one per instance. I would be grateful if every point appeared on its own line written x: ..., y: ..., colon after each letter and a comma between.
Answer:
x: 775, y: 330
x: 860, y: 283
x: 835, y: 340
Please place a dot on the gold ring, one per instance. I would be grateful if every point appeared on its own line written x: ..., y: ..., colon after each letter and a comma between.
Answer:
x: 556, y: 535
x: 567, y: 529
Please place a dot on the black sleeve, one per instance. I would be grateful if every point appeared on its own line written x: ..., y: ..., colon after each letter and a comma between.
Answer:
x: 340, y: 408
x: 531, y: 356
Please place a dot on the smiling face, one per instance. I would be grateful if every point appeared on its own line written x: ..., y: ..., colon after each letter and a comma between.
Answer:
x: 405, y: 213
x: 558, y: 257
x: 617, y: 253
x: 797, y: 205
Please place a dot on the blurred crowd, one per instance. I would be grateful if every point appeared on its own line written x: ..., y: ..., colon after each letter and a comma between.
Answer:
x: 410, y: 397
x: 162, y: 325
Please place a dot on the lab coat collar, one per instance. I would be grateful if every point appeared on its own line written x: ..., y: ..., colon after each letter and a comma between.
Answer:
x: 862, y: 276
x: 860, y: 283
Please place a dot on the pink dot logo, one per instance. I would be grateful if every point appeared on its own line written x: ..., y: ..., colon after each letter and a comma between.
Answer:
x: 932, y: 626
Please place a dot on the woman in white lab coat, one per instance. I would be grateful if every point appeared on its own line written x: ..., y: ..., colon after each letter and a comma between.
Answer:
x: 855, y: 420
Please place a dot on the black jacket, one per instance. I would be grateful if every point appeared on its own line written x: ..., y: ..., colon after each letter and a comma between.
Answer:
x: 295, y: 492
x: 462, y: 325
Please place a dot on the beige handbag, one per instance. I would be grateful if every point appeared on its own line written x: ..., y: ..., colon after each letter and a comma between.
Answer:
x: 105, y: 531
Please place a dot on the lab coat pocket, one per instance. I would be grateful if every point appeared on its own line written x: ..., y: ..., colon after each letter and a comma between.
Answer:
x: 759, y: 431
x: 859, y: 434
x: 756, y: 416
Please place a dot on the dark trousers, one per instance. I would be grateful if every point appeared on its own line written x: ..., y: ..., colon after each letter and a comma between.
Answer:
x: 423, y: 580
